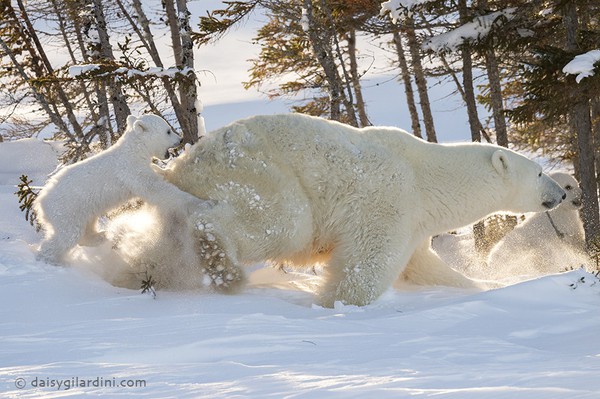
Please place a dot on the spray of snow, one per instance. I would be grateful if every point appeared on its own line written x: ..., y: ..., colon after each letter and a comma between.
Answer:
x: 582, y: 65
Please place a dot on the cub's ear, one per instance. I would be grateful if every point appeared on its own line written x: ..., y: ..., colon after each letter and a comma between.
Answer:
x: 500, y: 162
x: 139, y: 125
x: 130, y: 121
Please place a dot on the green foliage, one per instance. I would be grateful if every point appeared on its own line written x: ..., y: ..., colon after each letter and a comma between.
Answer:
x: 27, y: 196
x: 218, y: 22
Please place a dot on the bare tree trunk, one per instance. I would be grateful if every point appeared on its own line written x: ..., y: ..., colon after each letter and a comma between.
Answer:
x: 105, y: 129
x: 493, y: 73
x: 147, y: 39
x: 474, y: 123
x: 54, y: 117
x: 408, y: 90
x: 581, y: 124
x: 348, y: 98
x: 189, y: 92
x: 360, y: 102
x: 42, y: 55
x: 327, y: 62
x: 117, y: 99
x: 596, y: 132
x: 420, y: 80
x: 184, y: 60
x: 100, y: 121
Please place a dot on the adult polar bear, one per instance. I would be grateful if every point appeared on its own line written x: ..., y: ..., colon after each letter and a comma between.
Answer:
x: 297, y: 189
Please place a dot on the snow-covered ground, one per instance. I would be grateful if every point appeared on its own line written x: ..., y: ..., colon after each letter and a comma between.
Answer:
x: 67, y: 332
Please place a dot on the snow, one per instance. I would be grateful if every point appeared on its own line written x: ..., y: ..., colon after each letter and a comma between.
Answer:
x: 396, y: 7
x: 77, y: 70
x: 304, y: 22
x: 67, y: 326
x: 582, y: 65
x: 478, y: 29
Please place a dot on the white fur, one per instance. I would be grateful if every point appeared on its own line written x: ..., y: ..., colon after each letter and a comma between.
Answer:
x: 73, y: 199
x: 535, y: 247
x: 300, y: 189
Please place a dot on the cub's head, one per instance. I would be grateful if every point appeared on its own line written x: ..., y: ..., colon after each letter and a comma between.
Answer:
x: 528, y: 188
x: 154, y: 133
x: 571, y: 187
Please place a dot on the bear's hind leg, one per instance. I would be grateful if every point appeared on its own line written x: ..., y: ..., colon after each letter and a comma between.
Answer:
x: 220, y: 269
x: 92, y: 237
x: 63, y: 236
x: 55, y: 249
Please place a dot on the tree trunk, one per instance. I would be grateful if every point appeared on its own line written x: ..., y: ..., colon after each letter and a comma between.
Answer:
x: 420, y: 80
x: 189, y: 90
x: 360, y: 102
x: 42, y: 55
x: 408, y: 90
x: 147, y: 39
x: 348, y: 98
x: 474, y: 124
x: 115, y: 92
x: 325, y: 58
x: 581, y: 124
x: 54, y: 117
x: 468, y: 88
x: 493, y: 73
x: 184, y: 60
x: 596, y: 133
x: 105, y: 130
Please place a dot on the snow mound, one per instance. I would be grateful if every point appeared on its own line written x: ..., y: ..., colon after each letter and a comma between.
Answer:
x: 32, y: 157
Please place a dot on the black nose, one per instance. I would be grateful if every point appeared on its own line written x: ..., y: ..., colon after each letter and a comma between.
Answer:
x: 564, y: 196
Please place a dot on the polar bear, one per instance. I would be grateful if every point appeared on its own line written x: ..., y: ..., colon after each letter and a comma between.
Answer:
x: 73, y: 199
x: 298, y: 189
x: 544, y: 243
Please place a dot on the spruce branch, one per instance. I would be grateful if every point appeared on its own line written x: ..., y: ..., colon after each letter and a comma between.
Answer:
x: 27, y: 196
x: 148, y: 286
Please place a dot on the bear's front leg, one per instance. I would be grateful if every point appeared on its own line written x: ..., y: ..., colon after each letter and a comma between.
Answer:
x: 425, y: 267
x: 359, y: 272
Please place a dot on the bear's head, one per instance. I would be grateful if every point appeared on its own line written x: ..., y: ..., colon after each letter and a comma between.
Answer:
x: 571, y: 187
x: 153, y: 133
x: 528, y: 188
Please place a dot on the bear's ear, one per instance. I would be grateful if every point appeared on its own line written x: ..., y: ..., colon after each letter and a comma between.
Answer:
x: 500, y: 162
x: 130, y: 121
x: 139, y: 125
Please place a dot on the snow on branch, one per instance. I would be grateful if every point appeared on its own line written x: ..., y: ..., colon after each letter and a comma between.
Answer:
x: 396, y: 7
x: 473, y: 31
x: 582, y: 65
x: 155, y: 72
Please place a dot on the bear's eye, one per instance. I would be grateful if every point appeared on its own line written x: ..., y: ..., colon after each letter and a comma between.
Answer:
x: 540, y: 174
x: 568, y: 187
x: 169, y: 131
